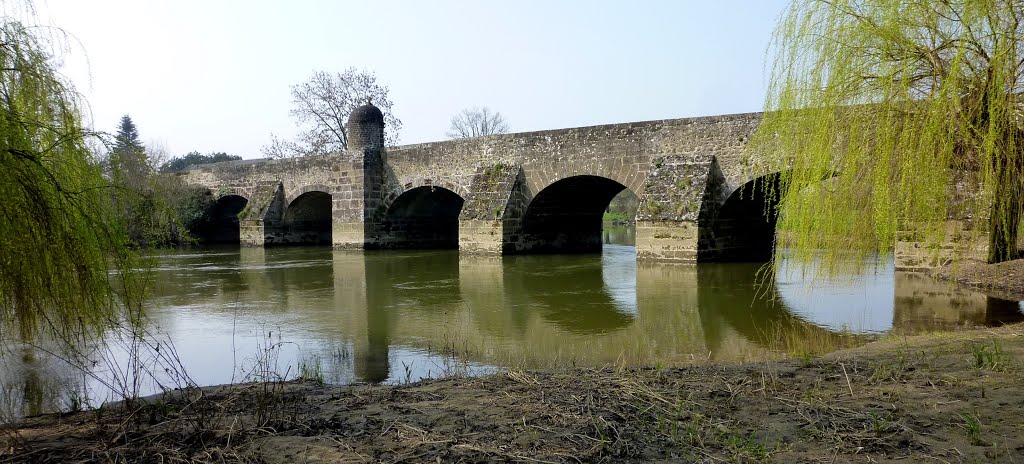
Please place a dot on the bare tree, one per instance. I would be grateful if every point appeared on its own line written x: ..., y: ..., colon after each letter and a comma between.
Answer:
x: 477, y: 122
x: 322, y: 105
x: 156, y: 154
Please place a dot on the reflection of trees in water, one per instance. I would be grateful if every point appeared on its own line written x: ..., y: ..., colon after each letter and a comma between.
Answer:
x: 33, y: 382
x: 624, y: 235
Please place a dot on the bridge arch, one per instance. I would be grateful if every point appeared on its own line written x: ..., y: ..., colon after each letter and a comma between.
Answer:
x: 296, y: 193
x: 565, y: 217
x: 423, y: 215
x: 221, y: 223
x: 623, y: 170
x: 743, y: 230
x: 307, y: 216
x: 407, y: 184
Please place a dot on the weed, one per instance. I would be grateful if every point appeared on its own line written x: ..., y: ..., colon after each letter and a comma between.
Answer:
x: 993, y: 359
x: 879, y: 424
x: 76, y: 401
x: 408, y: 372
x: 343, y: 353
x: 158, y: 411
x: 745, y: 448
x: 806, y: 359
x: 311, y: 370
x: 972, y: 425
x: 890, y: 371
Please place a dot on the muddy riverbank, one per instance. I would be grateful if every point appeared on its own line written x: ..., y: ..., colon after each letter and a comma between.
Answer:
x: 951, y: 397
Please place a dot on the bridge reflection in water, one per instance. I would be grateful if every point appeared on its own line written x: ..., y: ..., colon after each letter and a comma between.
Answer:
x: 402, y: 315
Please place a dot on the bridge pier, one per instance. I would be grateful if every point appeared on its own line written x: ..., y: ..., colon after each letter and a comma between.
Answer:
x: 912, y: 252
x: 347, y: 235
x: 675, y: 241
x: 480, y: 237
x: 681, y: 199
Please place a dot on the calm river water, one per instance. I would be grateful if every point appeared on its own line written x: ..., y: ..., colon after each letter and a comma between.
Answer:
x: 234, y: 314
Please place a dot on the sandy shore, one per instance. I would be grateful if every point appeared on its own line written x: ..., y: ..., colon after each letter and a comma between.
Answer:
x: 952, y: 397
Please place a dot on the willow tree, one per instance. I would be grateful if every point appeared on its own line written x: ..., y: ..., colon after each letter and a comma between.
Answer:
x: 889, y: 116
x: 60, y: 244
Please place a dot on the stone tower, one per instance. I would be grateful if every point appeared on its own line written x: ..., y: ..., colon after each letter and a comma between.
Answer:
x: 366, y: 128
x: 366, y: 144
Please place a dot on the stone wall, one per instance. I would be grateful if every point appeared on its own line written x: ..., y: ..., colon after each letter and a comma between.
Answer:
x: 682, y: 170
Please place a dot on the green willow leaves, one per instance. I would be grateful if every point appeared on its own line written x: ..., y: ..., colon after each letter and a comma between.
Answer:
x: 889, y: 119
x: 62, y: 247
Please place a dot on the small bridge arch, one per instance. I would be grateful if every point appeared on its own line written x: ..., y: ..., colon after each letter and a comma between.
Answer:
x: 307, y: 216
x: 220, y: 222
x: 743, y: 227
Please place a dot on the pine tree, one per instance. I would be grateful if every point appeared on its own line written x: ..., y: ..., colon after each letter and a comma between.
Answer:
x: 131, y: 173
x: 127, y: 136
x: 128, y: 156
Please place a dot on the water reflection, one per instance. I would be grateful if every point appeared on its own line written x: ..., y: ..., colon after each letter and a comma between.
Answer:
x: 731, y: 300
x: 570, y: 291
x: 922, y: 306
x: 398, y: 316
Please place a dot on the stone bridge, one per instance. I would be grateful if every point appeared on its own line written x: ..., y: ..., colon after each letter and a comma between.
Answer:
x: 533, y: 192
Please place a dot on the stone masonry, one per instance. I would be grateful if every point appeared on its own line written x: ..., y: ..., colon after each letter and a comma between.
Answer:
x: 530, y: 192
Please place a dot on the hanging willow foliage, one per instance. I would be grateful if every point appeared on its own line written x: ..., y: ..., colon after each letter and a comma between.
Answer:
x: 62, y: 248
x: 891, y: 117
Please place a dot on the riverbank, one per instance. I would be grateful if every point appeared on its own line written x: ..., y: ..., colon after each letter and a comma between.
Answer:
x: 952, y: 397
x: 1003, y: 280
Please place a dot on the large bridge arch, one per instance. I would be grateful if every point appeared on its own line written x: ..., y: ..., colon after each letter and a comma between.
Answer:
x: 564, y: 217
x: 302, y: 190
x: 406, y: 184
x: 422, y: 215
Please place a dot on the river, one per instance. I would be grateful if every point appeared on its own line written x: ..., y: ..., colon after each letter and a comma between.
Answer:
x: 231, y: 314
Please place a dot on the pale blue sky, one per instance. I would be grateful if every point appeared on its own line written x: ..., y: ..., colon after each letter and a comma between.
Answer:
x: 214, y: 75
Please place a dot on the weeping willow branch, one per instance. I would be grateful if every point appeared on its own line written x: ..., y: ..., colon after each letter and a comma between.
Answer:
x: 65, y: 261
x: 916, y: 106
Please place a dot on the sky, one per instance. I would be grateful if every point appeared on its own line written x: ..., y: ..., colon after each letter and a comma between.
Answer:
x: 215, y: 76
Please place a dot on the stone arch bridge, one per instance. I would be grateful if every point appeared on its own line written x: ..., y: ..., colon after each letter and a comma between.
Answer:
x: 534, y: 192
